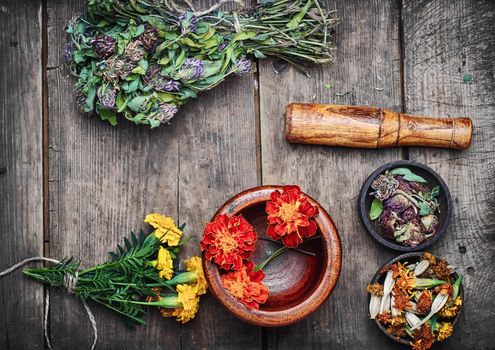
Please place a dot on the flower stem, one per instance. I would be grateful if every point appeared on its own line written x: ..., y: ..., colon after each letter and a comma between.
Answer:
x: 278, y: 252
x: 302, y: 251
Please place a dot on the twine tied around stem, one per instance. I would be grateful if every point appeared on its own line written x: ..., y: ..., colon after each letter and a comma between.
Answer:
x: 70, y: 282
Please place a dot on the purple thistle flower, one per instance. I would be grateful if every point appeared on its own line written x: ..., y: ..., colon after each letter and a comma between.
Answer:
x: 191, y: 69
x: 106, y: 96
x: 187, y: 23
x: 166, y: 112
x: 243, y: 66
x: 103, y: 45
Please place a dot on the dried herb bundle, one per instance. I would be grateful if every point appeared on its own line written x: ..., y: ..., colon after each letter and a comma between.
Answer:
x: 143, y: 59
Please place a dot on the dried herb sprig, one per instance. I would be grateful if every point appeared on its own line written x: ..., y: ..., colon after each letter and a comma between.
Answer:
x: 142, y: 59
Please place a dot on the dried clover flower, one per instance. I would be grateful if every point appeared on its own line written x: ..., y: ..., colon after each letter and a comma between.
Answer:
x: 242, y: 66
x: 149, y: 38
x: 106, y: 96
x: 134, y: 51
x: 388, y: 222
x: 430, y: 223
x: 154, y: 78
x: 397, y: 203
x: 192, y: 69
x: 103, y: 45
x: 166, y: 112
x: 188, y: 23
x: 410, y: 213
x: 385, y: 186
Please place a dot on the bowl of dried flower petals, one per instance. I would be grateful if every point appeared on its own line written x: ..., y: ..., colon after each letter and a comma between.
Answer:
x: 405, y: 205
x: 416, y: 299
x: 271, y: 255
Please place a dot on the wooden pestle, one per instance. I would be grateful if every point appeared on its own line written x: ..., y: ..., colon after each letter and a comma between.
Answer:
x: 371, y: 127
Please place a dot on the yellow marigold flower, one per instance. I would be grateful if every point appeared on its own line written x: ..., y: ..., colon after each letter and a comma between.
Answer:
x: 165, y: 228
x: 445, y: 331
x: 450, y: 310
x: 190, y: 303
x: 164, y: 263
x: 195, y: 265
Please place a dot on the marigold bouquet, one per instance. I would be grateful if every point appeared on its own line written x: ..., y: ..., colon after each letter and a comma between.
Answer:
x: 143, y: 59
x: 229, y: 241
x: 417, y: 301
x: 143, y: 273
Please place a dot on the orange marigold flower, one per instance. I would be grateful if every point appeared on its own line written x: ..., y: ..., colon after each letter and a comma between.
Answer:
x: 450, y: 309
x: 424, y: 302
x: 289, y: 216
x: 430, y: 257
x: 398, y: 321
x: 445, y: 331
x: 227, y: 241
x: 440, y: 270
x: 401, y: 300
x: 376, y: 289
x: 444, y: 289
x: 423, y: 338
x: 406, y: 282
x: 156, y: 295
x: 245, y: 285
x: 397, y: 330
x: 384, y: 317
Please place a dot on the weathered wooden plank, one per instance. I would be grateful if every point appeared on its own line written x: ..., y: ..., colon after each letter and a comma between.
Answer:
x: 444, y: 41
x: 366, y: 71
x: 217, y: 156
x: 119, y: 174
x: 21, y: 174
x: 103, y: 180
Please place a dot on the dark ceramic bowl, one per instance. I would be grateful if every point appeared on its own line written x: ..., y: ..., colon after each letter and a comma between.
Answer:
x: 299, y: 284
x: 374, y: 228
x: 380, y: 278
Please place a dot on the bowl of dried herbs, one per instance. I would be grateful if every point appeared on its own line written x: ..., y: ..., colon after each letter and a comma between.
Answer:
x: 416, y: 299
x: 405, y: 205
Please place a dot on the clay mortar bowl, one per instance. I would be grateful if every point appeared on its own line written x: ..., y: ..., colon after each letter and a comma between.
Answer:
x: 299, y: 284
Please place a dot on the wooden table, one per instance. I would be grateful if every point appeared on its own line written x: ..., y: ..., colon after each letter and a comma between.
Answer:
x: 74, y: 185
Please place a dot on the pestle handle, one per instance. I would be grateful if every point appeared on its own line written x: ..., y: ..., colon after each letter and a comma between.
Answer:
x: 371, y: 127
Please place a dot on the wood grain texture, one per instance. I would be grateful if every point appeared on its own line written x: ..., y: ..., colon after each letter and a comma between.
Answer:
x: 216, y: 136
x: 21, y: 176
x: 365, y: 72
x: 443, y: 41
x: 372, y: 127
x: 103, y: 181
